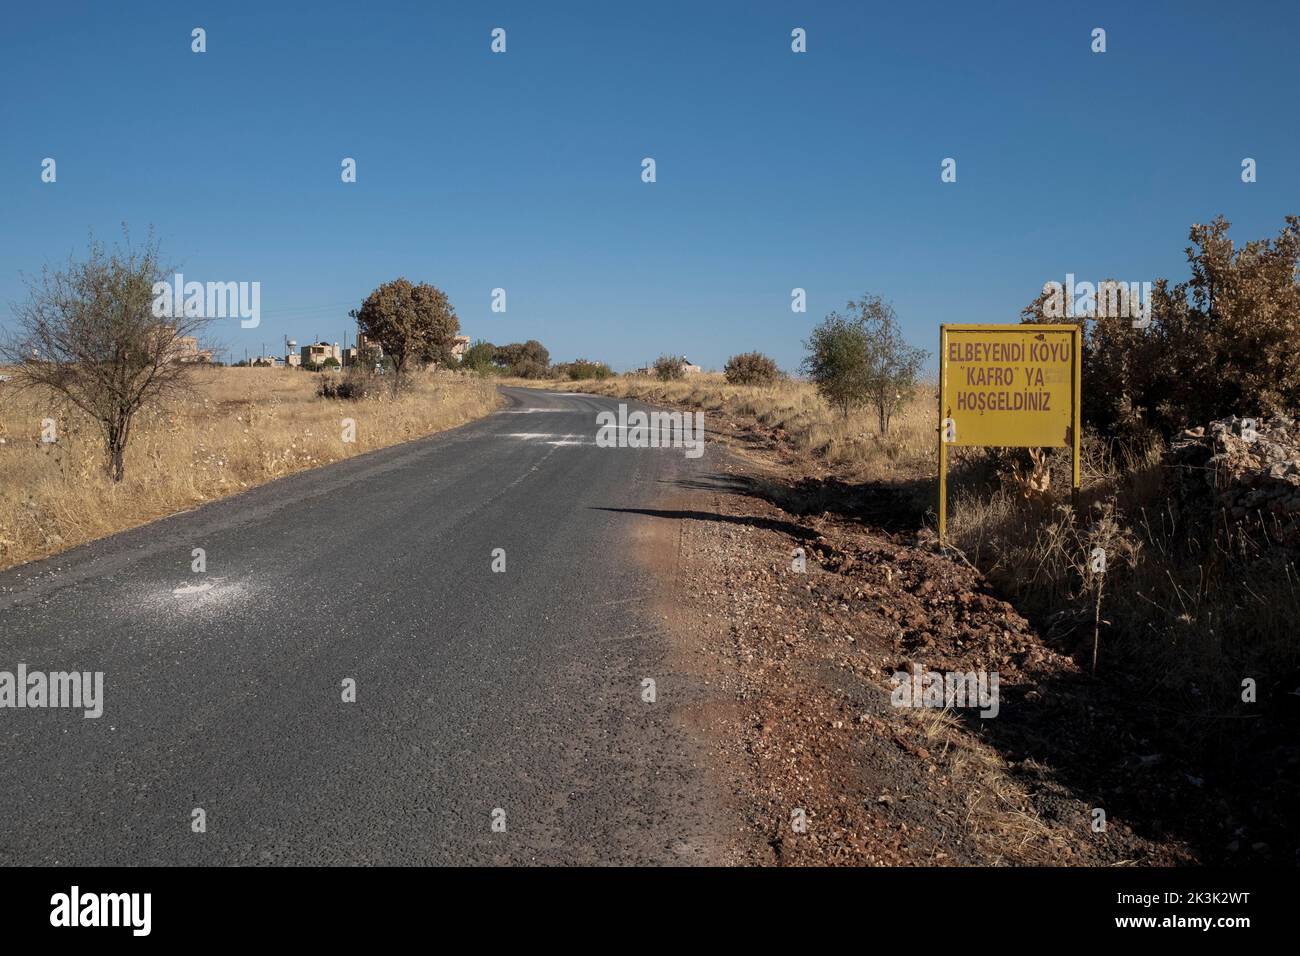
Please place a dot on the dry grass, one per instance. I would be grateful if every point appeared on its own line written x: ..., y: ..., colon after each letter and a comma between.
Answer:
x: 852, y: 446
x: 1183, y: 604
x: 238, y: 428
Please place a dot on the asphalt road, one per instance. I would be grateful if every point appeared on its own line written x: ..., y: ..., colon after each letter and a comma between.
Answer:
x: 476, y: 691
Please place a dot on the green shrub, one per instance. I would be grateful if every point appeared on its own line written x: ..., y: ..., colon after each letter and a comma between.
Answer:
x: 581, y: 370
x: 523, y: 359
x: 479, y: 357
x: 667, y: 368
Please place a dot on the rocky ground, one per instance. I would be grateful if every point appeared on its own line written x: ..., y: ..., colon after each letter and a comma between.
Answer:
x: 1245, y: 469
x: 839, y: 775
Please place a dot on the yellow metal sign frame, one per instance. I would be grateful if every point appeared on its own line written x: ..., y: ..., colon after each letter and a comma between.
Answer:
x: 947, y: 436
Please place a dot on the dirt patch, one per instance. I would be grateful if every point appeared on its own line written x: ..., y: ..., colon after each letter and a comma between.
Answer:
x: 836, y: 773
x: 706, y: 685
x: 828, y: 768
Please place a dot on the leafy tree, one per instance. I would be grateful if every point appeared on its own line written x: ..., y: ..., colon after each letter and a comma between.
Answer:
x: 440, y: 354
x: 1226, y: 341
x: 837, y: 363
x: 89, y: 334
x: 411, y: 322
x: 862, y: 359
x: 750, y: 368
x: 479, y: 357
x: 669, y: 367
x: 524, y: 359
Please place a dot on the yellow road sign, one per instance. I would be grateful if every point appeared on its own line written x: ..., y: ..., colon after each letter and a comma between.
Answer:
x: 1007, y: 386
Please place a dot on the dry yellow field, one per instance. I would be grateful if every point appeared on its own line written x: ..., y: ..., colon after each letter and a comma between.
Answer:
x: 239, y: 427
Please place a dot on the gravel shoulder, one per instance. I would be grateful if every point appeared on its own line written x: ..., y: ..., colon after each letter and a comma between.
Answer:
x: 824, y: 768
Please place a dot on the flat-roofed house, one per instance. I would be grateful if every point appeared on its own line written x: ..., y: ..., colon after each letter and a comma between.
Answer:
x: 184, y: 348
x: 316, y: 353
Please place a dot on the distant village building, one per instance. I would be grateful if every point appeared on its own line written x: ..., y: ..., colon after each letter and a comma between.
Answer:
x: 686, y: 367
x: 367, y: 352
x: 317, y: 353
x: 185, y: 348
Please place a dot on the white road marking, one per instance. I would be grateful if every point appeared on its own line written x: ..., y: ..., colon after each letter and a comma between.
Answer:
x: 192, y: 589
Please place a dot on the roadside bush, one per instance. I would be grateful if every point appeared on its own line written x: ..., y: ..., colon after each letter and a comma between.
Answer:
x: 668, y: 368
x: 523, y: 359
x: 581, y: 370
x: 750, y: 368
x: 479, y: 357
x: 353, y: 386
x: 1222, y: 343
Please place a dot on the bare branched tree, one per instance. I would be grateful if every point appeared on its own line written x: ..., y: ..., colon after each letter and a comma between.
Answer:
x: 88, y: 333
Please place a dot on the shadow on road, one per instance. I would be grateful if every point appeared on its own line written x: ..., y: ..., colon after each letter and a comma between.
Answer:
x: 894, y: 507
x: 771, y: 524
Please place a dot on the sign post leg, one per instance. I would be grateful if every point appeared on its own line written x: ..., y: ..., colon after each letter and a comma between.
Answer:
x: 1077, y: 373
x: 943, y: 488
x: 943, y: 444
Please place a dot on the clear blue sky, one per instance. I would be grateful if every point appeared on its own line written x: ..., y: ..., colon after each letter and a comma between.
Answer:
x: 522, y: 170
